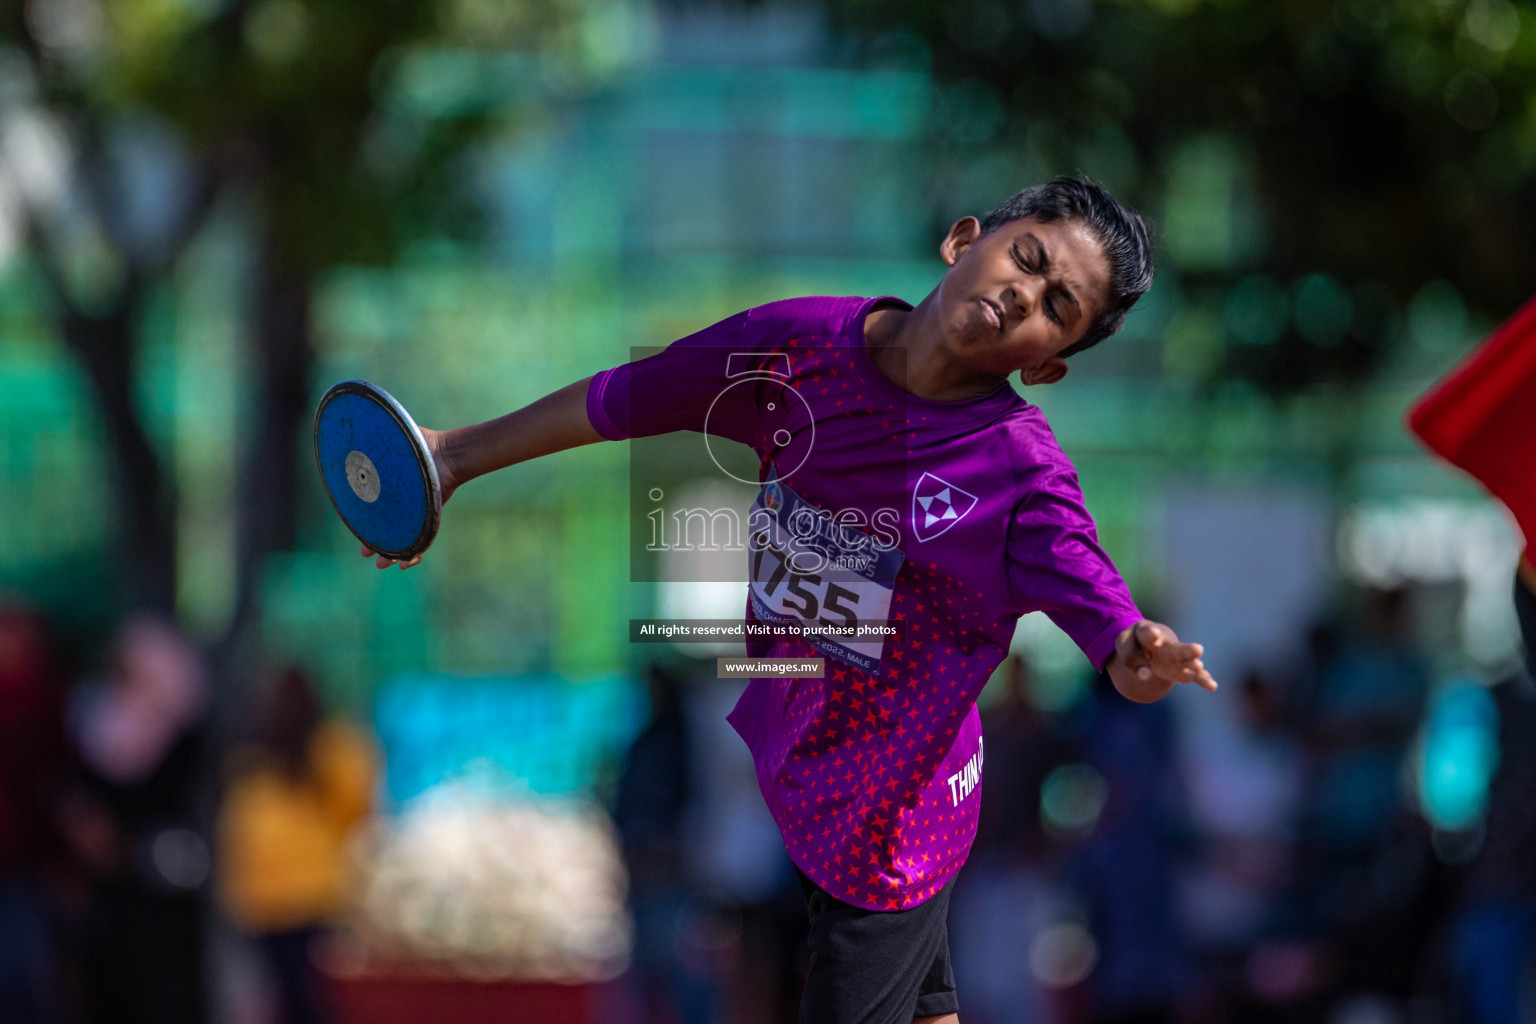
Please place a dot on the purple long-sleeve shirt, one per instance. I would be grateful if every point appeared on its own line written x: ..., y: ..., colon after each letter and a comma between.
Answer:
x: 951, y: 519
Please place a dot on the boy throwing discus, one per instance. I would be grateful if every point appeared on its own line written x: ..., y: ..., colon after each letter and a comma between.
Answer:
x: 902, y: 480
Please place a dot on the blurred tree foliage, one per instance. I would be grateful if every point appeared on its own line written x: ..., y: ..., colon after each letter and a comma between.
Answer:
x: 1318, y: 173
x: 1330, y: 183
x: 129, y: 124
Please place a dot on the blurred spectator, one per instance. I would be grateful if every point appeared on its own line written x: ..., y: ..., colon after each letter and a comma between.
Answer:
x: 1494, y: 929
x: 1004, y: 895
x: 756, y: 915
x: 1525, y: 610
x: 1125, y: 868
x: 1249, y: 820
x: 1367, y: 698
x: 133, y: 821
x: 32, y: 756
x: 1366, y: 862
x: 672, y: 929
x: 295, y: 789
x: 1020, y: 752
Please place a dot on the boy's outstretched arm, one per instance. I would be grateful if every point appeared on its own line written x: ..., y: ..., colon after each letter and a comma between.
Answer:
x: 1149, y: 660
x: 552, y: 424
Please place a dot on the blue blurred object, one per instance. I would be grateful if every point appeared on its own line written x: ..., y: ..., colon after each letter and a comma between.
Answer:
x: 25, y: 968
x: 517, y: 735
x: 1489, y: 943
x: 1460, y: 755
x: 377, y: 469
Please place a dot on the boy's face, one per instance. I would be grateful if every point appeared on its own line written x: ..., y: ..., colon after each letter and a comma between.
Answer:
x: 1014, y: 299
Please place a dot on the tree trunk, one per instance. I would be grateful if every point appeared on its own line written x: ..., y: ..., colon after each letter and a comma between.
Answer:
x: 145, y: 495
x: 267, y: 497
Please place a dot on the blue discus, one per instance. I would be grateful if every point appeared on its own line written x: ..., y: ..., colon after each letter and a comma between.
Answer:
x: 377, y: 469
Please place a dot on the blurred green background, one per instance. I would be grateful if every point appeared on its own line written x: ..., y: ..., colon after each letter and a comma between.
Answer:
x: 210, y: 210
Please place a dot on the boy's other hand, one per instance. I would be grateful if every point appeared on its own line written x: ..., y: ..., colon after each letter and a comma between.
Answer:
x: 447, y: 481
x: 1149, y: 660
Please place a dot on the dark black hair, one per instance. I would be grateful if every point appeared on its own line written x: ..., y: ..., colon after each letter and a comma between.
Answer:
x: 1121, y: 234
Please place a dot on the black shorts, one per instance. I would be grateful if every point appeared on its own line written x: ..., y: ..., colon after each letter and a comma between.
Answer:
x: 877, y: 966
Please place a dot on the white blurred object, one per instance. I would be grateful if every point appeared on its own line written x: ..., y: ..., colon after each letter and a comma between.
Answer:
x: 1366, y: 1008
x: 495, y: 888
x: 1062, y: 954
x: 704, y: 557
x: 1423, y: 541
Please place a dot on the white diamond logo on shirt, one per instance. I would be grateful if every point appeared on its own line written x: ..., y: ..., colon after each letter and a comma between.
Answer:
x: 937, y: 505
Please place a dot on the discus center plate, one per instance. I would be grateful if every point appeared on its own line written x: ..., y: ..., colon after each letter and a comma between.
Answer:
x: 363, y: 477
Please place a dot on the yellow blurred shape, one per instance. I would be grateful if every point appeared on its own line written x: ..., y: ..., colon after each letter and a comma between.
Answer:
x: 282, y: 838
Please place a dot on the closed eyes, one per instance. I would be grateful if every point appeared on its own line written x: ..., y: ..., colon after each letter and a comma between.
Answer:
x: 1034, y: 267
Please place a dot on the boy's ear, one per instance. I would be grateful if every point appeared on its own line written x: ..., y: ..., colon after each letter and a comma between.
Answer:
x: 1048, y: 372
x: 962, y: 233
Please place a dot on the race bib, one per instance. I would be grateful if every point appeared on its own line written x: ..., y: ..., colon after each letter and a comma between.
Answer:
x: 831, y: 579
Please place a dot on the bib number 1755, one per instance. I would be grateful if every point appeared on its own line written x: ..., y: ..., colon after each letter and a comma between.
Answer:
x: 809, y: 570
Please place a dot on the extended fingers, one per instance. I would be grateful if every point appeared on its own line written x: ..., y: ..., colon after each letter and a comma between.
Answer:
x: 1179, y: 663
x: 1176, y: 654
x: 1185, y: 669
x: 1195, y: 672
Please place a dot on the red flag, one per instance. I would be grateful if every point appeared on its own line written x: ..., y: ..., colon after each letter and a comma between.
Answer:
x: 1482, y: 416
